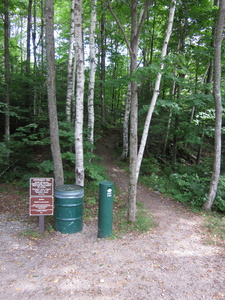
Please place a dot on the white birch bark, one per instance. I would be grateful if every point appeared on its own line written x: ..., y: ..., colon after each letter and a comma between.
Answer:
x: 91, y: 115
x: 70, y: 79
x: 79, y: 167
x: 156, y: 90
x: 124, y: 154
x: 51, y: 89
x: 132, y: 47
x: 218, y: 108
x: 135, y: 34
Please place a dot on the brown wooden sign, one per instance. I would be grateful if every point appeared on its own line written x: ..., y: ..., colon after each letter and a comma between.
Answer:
x: 41, y: 196
x: 41, y: 187
x: 41, y: 206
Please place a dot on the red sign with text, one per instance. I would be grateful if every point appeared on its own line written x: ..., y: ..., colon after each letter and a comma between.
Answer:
x: 41, y: 196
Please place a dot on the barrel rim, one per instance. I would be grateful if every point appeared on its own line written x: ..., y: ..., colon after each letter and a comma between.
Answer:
x: 69, y: 190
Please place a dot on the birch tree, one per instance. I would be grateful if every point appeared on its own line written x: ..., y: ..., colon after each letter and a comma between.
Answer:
x: 51, y: 89
x: 124, y: 154
x: 70, y: 69
x: 91, y: 116
x: 102, y: 63
x: 132, y: 46
x: 218, y: 107
x: 156, y: 89
x: 79, y: 164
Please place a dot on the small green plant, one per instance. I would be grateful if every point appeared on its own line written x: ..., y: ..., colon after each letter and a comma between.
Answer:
x: 32, y: 234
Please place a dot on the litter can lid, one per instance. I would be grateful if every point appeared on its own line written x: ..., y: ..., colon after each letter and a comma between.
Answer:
x: 69, y: 190
x: 107, y: 183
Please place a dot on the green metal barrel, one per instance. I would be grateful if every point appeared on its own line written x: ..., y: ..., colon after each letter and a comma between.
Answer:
x: 105, y: 211
x: 68, y: 217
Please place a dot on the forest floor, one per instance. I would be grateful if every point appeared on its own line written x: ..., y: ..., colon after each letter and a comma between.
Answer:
x: 172, y: 261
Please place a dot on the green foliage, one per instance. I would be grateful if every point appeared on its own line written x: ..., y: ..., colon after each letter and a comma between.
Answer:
x: 188, y: 188
x: 149, y: 166
x: 27, y: 149
x: 94, y: 169
x: 95, y: 172
x: 29, y: 145
x: 66, y: 134
x: 69, y: 157
x: 4, y: 152
x: 30, y: 135
x: 186, y: 184
x: 46, y: 167
x: 10, y: 111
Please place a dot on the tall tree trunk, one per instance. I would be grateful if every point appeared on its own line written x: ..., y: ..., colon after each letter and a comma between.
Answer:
x: 124, y: 154
x: 218, y: 108
x: 51, y: 88
x: 156, y: 89
x: 7, y: 70
x: 208, y: 78
x: 91, y: 113
x: 175, y: 140
x: 172, y: 92
x: 28, y: 61
x: 35, y: 59
x: 34, y: 33
x: 29, y: 26
x: 42, y: 62
x: 79, y: 168
x: 135, y: 34
x: 132, y: 47
x: 70, y: 82
x: 102, y: 63
x: 132, y: 192
x: 167, y: 132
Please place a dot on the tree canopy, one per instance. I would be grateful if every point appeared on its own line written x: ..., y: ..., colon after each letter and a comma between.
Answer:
x: 179, y: 150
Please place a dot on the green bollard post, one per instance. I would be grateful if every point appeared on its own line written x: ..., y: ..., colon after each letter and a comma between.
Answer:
x: 105, y: 208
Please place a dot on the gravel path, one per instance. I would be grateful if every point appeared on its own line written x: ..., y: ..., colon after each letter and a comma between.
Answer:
x: 171, y: 262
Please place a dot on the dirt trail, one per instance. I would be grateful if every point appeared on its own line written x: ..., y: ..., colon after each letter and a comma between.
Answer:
x: 171, y: 262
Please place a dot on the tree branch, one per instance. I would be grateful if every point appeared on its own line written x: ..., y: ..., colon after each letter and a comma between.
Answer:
x: 120, y: 26
x: 143, y: 16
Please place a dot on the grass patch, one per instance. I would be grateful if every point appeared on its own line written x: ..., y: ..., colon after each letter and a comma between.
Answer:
x: 90, y: 207
x: 144, y: 220
x: 31, y: 234
x: 215, y: 226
